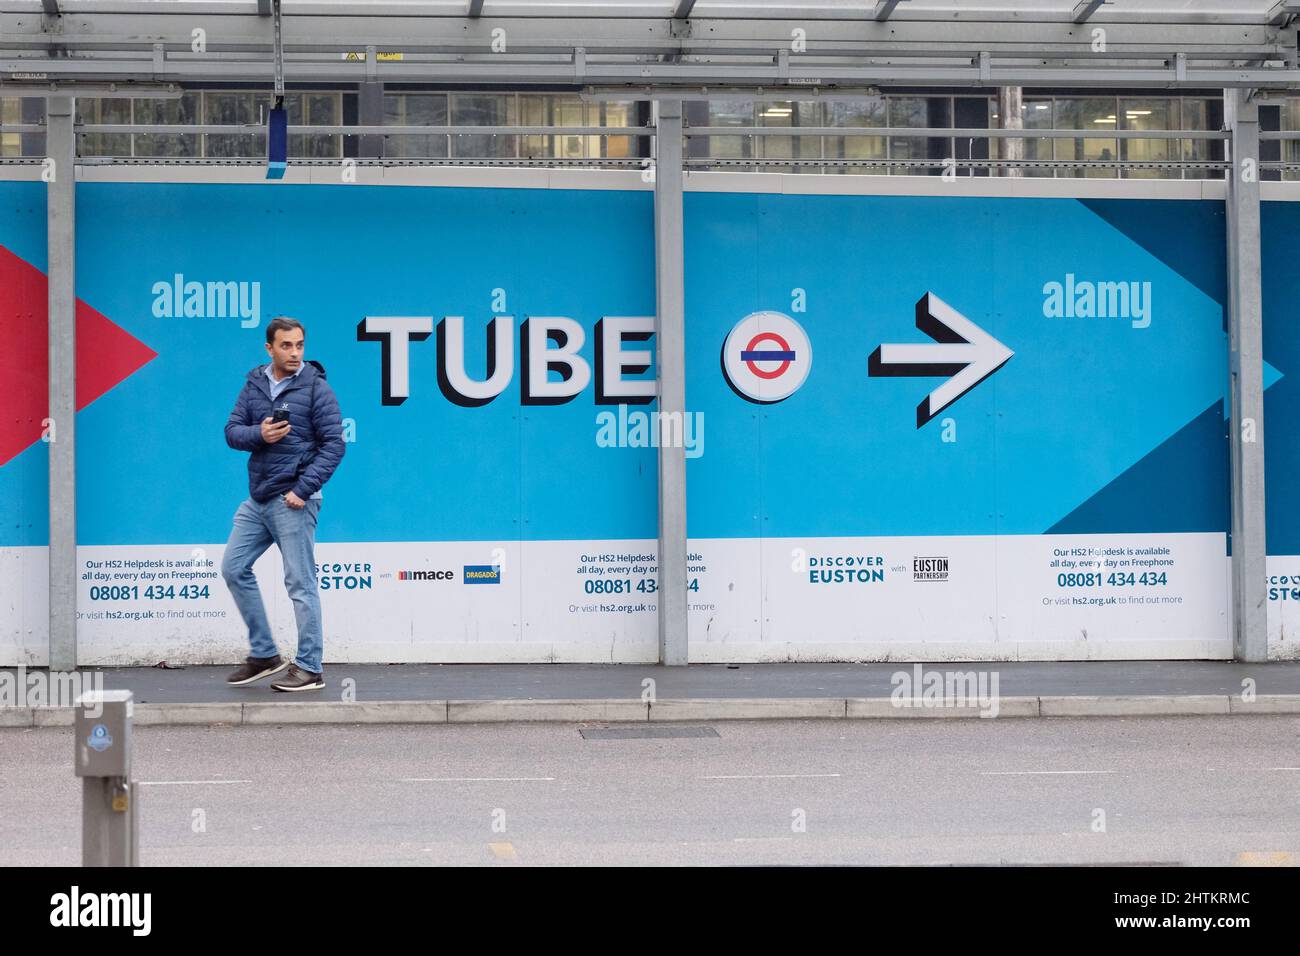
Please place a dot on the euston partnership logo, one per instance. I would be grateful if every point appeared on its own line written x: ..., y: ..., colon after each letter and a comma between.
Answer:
x: 482, y: 574
x: 929, y: 569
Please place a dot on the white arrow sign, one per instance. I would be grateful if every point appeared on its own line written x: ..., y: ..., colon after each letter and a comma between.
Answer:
x: 961, y: 350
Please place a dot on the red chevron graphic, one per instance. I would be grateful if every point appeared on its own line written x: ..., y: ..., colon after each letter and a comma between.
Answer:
x: 106, y: 354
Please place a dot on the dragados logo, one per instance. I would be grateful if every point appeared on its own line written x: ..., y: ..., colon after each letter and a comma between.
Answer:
x: 482, y: 574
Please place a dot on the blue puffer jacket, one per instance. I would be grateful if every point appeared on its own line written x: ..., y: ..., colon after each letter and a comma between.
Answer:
x: 304, y: 459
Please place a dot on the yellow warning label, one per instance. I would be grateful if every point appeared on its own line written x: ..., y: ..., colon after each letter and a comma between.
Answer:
x: 357, y: 57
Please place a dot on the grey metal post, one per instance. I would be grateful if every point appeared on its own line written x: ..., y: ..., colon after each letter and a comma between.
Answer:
x: 62, y: 232
x: 370, y: 112
x: 1246, y: 395
x: 670, y: 346
x: 110, y: 814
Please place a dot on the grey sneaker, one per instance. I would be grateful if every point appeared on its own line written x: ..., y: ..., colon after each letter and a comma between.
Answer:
x: 299, y: 679
x: 255, y: 668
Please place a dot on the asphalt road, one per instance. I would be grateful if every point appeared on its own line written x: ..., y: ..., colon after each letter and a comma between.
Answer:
x: 1184, y: 790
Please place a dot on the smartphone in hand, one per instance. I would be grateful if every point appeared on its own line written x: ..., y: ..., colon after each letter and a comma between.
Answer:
x: 281, y: 414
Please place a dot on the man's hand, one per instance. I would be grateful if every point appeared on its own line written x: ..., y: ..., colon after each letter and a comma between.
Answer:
x: 293, y: 501
x: 272, y: 432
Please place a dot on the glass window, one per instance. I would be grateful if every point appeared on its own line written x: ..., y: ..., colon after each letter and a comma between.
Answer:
x: 572, y: 111
x: 972, y: 112
x: 1037, y: 114
x: 182, y: 111
x: 315, y: 109
x: 1151, y: 114
x: 1290, y: 120
x: 864, y: 113
x: 908, y: 111
x: 725, y: 113
x: 550, y: 110
x: 230, y: 109
x: 788, y: 115
x: 483, y: 109
x: 105, y: 110
x: 415, y: 109
x: 1195, y: 115
x: 11, y: 144
x: 536, y: 111
x: 1087, y: 113
x: 619, y: 113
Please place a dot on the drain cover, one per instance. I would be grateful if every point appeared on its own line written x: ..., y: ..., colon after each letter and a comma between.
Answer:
x: 641, y: 733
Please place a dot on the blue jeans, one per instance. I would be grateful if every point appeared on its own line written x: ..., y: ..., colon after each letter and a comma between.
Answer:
x: 293, y: 531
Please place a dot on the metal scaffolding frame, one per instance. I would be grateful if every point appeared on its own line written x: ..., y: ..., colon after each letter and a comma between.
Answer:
x: 804, y: 51
x: 1244, y: 44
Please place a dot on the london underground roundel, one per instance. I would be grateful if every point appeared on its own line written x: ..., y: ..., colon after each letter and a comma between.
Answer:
x: 766, y: 357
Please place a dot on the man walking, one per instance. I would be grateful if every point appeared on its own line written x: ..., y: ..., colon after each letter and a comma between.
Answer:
x: 288, y: 417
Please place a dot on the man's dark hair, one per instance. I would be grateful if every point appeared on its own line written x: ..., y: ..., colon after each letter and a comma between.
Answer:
x: 282, y: 323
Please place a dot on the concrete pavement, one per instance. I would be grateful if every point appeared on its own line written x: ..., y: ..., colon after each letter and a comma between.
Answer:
x: 471, y: 693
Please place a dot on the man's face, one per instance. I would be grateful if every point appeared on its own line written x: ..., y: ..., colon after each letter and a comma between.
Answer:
x: 286, y: 351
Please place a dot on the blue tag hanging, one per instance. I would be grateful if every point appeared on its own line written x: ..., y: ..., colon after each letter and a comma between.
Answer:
x: 277, y: 142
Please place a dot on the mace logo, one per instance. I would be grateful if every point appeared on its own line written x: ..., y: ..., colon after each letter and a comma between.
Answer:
x: 766, y: 357
x: 482, y: 574
x: 426, y: 575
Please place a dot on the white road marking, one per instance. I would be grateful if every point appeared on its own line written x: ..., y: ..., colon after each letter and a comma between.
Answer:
x: 473, y: 779
x: 1031, y: 773
x: 770, y: 776
x: 185, y: 783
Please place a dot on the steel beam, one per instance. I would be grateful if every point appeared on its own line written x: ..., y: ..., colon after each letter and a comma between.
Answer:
x: 670, y: 367
x: 1283, y: 12
x: 277, y: 51
x: 883, y: 10
x: 1085, y: 9
x: 951, y: 34
x: 1246, y: 382
x: 802, y: 83
x: 61, y: 234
